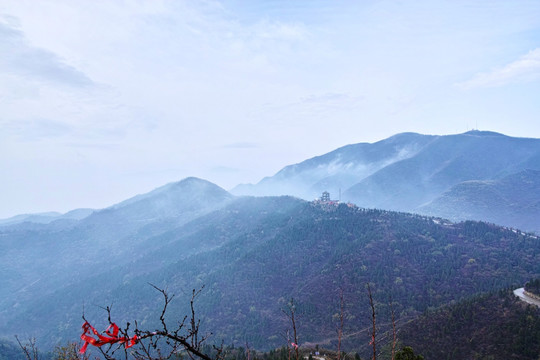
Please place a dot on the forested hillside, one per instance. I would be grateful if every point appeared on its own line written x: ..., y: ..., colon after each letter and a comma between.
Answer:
x: 511, y: 201
x: 254, y: 254
x: 493, y: 326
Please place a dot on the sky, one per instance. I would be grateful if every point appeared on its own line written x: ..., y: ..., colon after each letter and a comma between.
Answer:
x: 102, y: 100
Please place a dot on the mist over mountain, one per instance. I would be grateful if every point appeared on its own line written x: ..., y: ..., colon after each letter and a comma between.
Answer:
x: 48, y: 217
x: 252, y: 254
x: 409, y: 171
x: 39, y: 258
x: 513, y: 200
x: 339, y: 169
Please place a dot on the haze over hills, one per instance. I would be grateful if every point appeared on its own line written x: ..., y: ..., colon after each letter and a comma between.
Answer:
x: 513, y: 200
x: 31, y: 251
x: 252, y: 254
x: 45, y: 218
x: 451, y: 176
x: 408, y: 171
x: 341, y: 168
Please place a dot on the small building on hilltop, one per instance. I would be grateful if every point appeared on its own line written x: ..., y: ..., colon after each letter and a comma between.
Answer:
x: 325, y: 197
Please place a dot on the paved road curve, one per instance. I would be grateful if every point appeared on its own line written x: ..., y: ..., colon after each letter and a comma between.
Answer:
x: 520, y: 293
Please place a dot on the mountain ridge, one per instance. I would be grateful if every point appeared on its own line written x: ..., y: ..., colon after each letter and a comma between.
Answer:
x: 47, y: 217
x: 511, y: 201
x: 406, y: 171
x: 255, y: 253
x: 252, y: 254
x: 88, y: 245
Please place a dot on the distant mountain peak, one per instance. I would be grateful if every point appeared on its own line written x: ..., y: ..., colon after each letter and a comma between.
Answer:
x: 191, y: 186
x: 47, y: 217
x: 194, y: 180
x: 483, y: 133
x: 408, y: 170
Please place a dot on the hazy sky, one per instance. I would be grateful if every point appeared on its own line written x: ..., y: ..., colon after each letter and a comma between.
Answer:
x: 101, y: 100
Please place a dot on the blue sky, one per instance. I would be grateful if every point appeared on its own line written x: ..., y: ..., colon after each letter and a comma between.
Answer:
x: 102, y: 100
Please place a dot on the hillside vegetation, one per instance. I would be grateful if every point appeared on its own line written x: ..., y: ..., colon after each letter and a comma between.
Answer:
x: 512, y: 201
x: 493, y: 326
x: 256, y: 253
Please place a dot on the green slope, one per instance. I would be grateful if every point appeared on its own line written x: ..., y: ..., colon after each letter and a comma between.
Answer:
x: 257, y: 253
x: 496, y: 326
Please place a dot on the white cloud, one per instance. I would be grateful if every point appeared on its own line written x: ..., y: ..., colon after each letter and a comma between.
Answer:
x: 525, y: 69
x: 19, y: 57
x: 181, y: 88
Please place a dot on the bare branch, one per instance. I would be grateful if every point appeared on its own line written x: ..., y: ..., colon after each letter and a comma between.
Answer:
x: 340, y: 329
x: 29, y: 349
x: 374, y: 329
x: 162, y: 342
x: 167, y: 301
x: 394, y: 332
x: 290, y: 313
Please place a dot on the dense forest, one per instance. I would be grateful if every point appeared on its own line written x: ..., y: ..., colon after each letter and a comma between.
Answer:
x: 255, y: 254
x: 491, y: 326
x: 494, y: 326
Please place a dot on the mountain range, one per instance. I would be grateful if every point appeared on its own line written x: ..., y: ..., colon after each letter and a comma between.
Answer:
x: 48, y: 217
x: 252, y: 254
x: 452, y: 176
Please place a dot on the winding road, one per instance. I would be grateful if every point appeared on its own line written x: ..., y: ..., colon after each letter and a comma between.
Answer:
x: 521, y: 294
